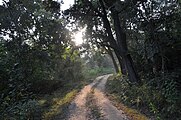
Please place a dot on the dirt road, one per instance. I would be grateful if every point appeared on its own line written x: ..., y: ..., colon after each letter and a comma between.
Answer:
x: 99, y: 106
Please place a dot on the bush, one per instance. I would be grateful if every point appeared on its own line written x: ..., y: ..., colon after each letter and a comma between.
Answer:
x: 94, y: 72
x: 158, y: 98
x: 22, y: 111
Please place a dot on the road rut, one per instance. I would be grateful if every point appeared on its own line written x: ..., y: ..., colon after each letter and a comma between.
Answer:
x: 79, y: 111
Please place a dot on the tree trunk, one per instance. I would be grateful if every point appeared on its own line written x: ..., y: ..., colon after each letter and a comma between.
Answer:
x: 121, y: 41
x: 119, y: 46
x: 111, y: 39
x: 113, y: 60
x: 132, y: 74
x: 122, y: 66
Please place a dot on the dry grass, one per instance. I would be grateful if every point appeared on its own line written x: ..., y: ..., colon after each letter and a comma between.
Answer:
x: 132, y: 113
x: 53, y: 105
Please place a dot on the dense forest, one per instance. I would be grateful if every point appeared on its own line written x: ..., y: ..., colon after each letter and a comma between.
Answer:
x: 42, y: 69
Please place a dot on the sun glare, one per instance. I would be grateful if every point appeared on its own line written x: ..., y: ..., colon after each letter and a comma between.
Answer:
x: 78, y: 37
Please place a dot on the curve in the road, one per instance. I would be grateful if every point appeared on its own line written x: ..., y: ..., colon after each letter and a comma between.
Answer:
x: 78, y: 110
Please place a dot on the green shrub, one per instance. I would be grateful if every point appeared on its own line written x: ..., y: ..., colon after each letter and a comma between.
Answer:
x: 22, y: 111
x: 158, y: 98
x: 94, y: 72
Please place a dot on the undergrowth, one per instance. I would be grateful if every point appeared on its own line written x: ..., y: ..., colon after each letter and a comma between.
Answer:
x: 95, y: 72
x: 55, y: 105
x: 160, y: 103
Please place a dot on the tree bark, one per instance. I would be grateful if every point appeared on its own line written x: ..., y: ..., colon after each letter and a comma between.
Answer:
x: 121, y: 41
x: 113, y: 60
x: 119, y: 45
x: 122, y: 66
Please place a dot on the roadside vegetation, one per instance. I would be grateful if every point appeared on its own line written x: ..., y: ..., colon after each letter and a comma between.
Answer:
x: 145, y: 100
x: 42, y: 69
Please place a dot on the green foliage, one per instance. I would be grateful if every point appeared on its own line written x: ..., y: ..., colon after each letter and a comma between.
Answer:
x: 96, y: 64
x: 92, y: 73
x: 160, y: 102
x: 22, y: 111
x: 33, y: 43
x: 36, y: 49
x: 56, y: 104
x: 72, y: 65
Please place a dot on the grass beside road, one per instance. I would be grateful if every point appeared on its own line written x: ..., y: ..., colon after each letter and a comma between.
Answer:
x: 95, y: 72
x: 55, y: 105
x: 113, y: 87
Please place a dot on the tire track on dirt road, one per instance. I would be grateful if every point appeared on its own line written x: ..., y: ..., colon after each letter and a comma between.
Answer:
x: 79, y: 111
x: 77, y: 108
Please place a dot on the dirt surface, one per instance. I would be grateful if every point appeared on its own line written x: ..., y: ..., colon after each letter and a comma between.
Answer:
x: 79, y: 111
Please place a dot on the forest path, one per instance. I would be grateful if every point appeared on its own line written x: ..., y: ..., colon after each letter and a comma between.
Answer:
x: 82, y: 108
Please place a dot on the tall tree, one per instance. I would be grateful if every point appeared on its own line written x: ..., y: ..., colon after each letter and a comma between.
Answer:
x: 34, y: 46
x: 98, y: 24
